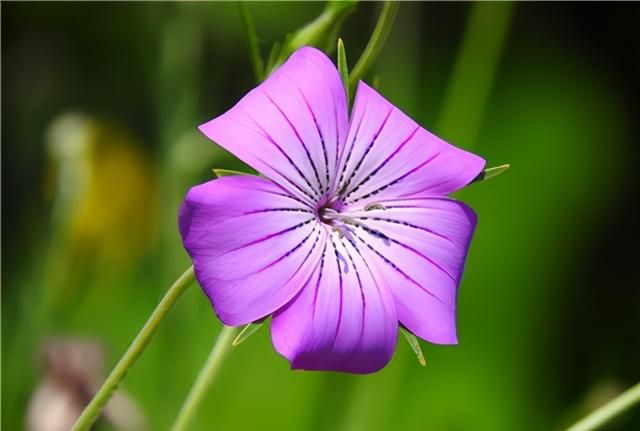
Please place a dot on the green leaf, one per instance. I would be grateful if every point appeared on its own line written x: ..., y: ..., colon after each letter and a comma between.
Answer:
x: 491, y: 172
x: 343, y: 68
x: 227, y: 172
x: 413, y: 342
x: 246, y: 332
x: 252, y: 42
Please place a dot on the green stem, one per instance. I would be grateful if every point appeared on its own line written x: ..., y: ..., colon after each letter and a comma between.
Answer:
x: 376, y: 42
x: 221, y: 348
x: 93, y: 410
x: 252, y: 42
x: 609, y: 411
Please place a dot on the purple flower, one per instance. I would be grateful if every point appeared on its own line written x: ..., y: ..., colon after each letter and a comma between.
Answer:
x: 350, y: 233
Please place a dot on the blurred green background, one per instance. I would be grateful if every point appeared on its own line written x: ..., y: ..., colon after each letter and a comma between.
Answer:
x: 100, y: 103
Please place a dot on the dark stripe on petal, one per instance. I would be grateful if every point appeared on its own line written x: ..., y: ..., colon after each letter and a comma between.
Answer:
x: 273, y: 235
x: 287, y: 194
x: 293, y: 183
x: 306, y: 150
x: 335, y: 251
x: 379, y: 234
x: 397, y: 180
x: 373, y: 277
x: 267, y: 210
x: 315, y: 294
x: 403, y: 207
x: 416, y: 198
x: 268, y: 137
x: 349, y: 151
x: 396, y: 268
x: 367, y: 150
x: 355, y: 269
x: 324, y: 147
x: 404, y: 223
x: 434, y: 186
x: 284, y: 192
x: 337, y: 166
x: 294, y: 249
x: 384, y: 162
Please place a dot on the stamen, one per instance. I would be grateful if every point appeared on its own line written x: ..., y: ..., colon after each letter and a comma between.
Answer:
x: 330, y: 214
x: 374, y: 206
x: 342, y: 230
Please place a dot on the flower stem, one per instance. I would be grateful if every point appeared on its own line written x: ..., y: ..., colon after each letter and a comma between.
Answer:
x: 93, y: 410
x: 609, y: 411
x: 376, y: 42
x: 221, y: 348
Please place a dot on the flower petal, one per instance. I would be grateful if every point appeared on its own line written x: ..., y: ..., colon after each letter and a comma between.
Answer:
x: 342, y: 320
x: 387, y: 154
x: 290, y: 128
x: 252, y: 245
x: 420, y: 246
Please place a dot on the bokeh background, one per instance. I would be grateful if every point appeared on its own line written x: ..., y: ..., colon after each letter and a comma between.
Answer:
x: 100, y: 103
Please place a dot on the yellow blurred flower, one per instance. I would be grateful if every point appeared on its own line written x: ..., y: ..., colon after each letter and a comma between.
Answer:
x: 104, y: 190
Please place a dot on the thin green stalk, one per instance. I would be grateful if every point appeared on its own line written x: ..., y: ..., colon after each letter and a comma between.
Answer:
x: 609, y: 411
x: 376, y: 42
x: 221, y: 348
x: 252, y: 42
x: 93, y: 410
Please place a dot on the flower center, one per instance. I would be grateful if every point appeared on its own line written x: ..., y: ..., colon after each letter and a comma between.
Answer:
x: 329, y: 212
x: 327, y: 215
x: 330, y: 215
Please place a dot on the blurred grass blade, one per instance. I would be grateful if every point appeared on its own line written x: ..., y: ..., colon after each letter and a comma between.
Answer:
x: 415, y: 346
x: 206, y: 376
x: 609, y: 411
x: 491, y: 172
x: 252, y: 42
x: 376, y: 42
x: 227, y: 172
x: 343, y: 68
x: 246, y: 332
x: 474, y: 72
